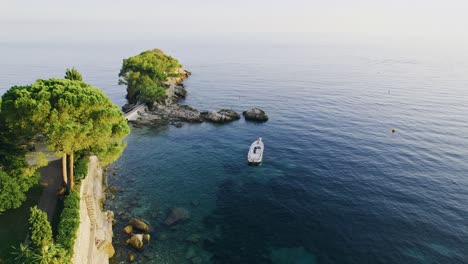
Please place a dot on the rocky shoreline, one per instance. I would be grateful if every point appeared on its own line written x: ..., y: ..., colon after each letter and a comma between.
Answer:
x: 170, y: 112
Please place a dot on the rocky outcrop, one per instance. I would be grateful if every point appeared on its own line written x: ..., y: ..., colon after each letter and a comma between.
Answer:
x: 138, y: 241
x: 176, y: 216
x: 135, y: 241
x: 169, y: 111
x: 180, y: 91
x: 220, y: 116
x: 255, y: 114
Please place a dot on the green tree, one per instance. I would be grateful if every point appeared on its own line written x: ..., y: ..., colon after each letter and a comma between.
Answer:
x: 73, y: 75
x: 13, y: 189
x: 42, y: 250
x: 72, y: 115
x: 40, y: 230
x: 16, y: 177
x: 145, y: 74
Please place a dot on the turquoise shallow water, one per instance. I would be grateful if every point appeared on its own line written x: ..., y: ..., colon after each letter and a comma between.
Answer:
x: 337, y: 186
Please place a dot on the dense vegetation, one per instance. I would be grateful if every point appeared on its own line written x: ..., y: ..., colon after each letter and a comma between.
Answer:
x: 81, y: 168
x: 69, y: 223
x: 145, y: 75
x: 74, y: 119
x: 41, y: 247
x: 73, y: 116
x: 16, y: 176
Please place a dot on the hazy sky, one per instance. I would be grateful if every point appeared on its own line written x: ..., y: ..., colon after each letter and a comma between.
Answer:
x: 441, y: 18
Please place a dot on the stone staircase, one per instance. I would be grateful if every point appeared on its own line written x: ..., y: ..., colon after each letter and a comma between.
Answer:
x: 91, y: 211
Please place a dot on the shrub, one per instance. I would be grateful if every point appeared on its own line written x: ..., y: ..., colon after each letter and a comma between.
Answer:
x: 69, y: 222
x: 80, y: 169
x: 40, y: 230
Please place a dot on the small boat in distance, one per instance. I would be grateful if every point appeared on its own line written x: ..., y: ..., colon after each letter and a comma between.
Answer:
x: 255, y: 155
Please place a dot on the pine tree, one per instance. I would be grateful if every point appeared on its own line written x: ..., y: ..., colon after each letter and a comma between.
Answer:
x: 73, y: 75
x: 40, y: 231
x: 72, y: 115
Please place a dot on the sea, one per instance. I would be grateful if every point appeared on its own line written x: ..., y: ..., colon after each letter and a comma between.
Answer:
x: 337, y: 185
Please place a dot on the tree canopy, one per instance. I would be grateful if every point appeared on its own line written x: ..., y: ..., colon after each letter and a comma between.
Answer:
x: 72, y: 115
x: 16, y: 177
x: 144, y: 75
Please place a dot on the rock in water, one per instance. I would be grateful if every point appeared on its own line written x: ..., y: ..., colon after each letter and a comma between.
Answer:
x: 176, y: 216
x: 110, y: 214
x: 190, y: 253
x: 180, y: 91
x: 255, y: 114
x: 136, y: 241
x: 138, y: 224
x: 146, y: 237
x: 128, y: 229
x: 220, y: 116
x: 193, y: 238
x: 109, y: 250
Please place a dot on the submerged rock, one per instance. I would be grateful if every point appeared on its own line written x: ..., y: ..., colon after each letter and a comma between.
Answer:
x: 220, y: 116
x: 177, y: 215
x: 190, y: 253
x: 163, y: 237
x: 255, y: 114
x: 131, y: 257
x: 110, y: 196
x: 146, y: 237
x: 193, y: 238
x: 138, y: 224
x: 112, y: 189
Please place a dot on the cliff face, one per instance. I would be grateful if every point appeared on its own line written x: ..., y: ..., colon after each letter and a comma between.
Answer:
x: 93, y: 244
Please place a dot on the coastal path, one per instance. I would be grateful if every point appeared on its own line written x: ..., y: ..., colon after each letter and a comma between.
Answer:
x: 51, y: 178
x: 132, y: 113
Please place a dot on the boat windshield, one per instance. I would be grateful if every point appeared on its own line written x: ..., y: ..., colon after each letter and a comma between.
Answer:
x: 255, y: 149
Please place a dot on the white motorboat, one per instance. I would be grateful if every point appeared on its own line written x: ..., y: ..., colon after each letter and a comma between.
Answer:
x: 255, y: 155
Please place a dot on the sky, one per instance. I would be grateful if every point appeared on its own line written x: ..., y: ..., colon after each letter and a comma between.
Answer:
x: 33, y: 18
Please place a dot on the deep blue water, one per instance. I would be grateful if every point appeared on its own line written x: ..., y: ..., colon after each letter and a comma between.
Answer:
x: 336, y: 185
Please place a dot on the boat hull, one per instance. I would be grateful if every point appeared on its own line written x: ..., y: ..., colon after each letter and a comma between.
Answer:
x: 255, y: 155
x: 254, y: 163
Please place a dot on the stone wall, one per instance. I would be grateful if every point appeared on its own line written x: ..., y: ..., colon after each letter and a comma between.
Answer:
x: 93, y: 244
